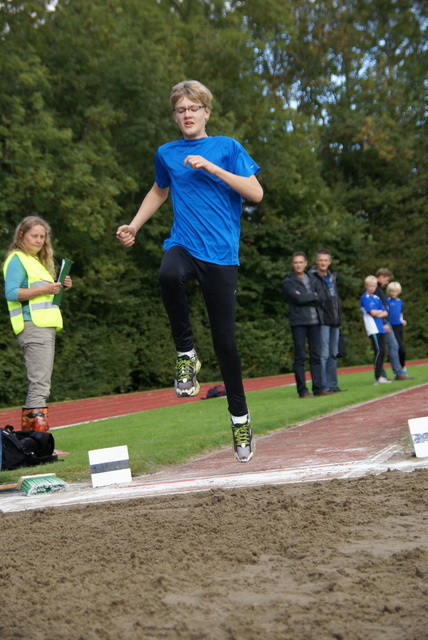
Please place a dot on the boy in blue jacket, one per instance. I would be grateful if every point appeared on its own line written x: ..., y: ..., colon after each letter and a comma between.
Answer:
x: 396, y: 319
x: 373, y: 312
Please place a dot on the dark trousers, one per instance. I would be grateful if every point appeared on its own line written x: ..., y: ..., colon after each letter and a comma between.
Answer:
x: 398, y: 332
x: 312, y: 334
x: 379, y: 350
x: 218, y: 284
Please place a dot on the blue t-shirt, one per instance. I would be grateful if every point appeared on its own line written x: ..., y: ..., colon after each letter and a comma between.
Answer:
x: 207, y: 211
x: 370, y: 303
x: 395, y: 310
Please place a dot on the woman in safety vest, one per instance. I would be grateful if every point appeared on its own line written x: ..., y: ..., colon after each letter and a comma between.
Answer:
x: 30, y: 286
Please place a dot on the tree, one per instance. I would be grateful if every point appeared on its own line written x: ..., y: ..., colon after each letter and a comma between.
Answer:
x: 327, y: 97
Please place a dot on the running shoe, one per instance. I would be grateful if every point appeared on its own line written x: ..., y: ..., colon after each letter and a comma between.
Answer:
x: 186, y: 368
x: 382, y: 380
x: 243, y: 440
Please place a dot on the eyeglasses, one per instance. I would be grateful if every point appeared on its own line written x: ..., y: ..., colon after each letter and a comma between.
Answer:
x: 193, y: 109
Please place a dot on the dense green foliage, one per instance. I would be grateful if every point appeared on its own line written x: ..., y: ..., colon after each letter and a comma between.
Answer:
x: 328, y: 97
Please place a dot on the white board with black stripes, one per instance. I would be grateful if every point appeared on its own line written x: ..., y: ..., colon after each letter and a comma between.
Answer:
x: 109, y: 466
x: 419, y: 434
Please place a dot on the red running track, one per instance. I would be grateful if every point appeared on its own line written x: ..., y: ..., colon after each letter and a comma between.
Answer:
x: 79, y: 411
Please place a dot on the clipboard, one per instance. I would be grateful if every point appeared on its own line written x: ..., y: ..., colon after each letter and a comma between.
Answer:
x: 63, y: 272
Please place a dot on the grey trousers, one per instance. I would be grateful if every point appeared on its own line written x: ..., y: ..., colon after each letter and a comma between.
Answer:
x: 38, y: 345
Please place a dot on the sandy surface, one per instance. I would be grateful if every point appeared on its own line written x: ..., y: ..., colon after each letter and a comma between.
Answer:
x: 341, y: 559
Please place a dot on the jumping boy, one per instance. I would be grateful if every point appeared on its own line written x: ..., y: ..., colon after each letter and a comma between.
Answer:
x: 207, y: 178
x: 373, y: 311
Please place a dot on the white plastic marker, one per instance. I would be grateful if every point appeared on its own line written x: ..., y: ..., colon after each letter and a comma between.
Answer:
x: 109, y: 466
x: 419, y: 434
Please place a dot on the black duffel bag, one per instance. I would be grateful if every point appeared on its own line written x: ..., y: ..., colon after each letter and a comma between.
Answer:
x: 26, y: 448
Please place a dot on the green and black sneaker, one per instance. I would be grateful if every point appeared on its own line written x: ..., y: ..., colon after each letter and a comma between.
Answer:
x: 243, y: 440
x: 186, y: 368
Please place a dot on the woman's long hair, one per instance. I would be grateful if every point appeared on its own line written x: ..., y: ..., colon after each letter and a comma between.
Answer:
x: 45, y: 254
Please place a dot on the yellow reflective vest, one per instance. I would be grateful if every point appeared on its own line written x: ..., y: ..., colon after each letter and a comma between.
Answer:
x: 43, y: 312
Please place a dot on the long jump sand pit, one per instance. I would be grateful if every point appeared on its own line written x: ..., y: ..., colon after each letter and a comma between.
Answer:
x: 338, y: 559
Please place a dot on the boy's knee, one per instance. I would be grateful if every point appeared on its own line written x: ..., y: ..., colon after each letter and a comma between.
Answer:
x: 226, y: 348
x: 170, y: 275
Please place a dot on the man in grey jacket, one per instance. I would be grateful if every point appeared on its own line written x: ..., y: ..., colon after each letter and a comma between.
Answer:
x: 305, y: 299
x: 332, y: 319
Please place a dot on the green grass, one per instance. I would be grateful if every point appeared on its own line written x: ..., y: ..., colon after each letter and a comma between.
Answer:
x: 172, y: 435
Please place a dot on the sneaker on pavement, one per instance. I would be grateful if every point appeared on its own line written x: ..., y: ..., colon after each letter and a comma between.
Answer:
x: 382, y: 380
x: 243, y: 441
x: 186, y: 368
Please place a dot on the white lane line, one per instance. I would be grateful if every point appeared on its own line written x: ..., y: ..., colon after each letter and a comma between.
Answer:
x: 85, y: 494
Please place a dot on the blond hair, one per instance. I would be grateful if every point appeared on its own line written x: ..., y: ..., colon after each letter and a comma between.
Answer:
x: 192, y: 89
x: 45, y: 254
x: 370, y: 280
x: 394, y: 286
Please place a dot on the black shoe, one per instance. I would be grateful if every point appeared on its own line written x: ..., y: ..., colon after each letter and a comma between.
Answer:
x: 324, y: 393
x: 306, y: 395
x: 337, y: 390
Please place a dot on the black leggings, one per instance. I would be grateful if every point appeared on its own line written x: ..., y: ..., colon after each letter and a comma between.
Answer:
x: 379, y: 349
x: 218, y: 284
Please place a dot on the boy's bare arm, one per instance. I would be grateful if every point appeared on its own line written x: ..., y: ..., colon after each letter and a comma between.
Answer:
x: 248, y: 187
x: 154, y: 199
x: 377, y: 313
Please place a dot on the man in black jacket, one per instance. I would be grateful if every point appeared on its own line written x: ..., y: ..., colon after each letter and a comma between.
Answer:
x: 332, y: 319
x: 305, y: 299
